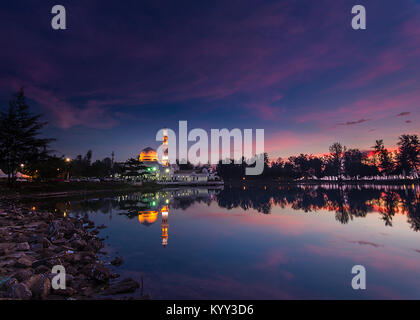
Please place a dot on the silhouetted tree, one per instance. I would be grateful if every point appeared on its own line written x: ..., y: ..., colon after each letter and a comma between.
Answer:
x: 336, y: 151
x: 385, y: 162
x: 409, y: 153
x: 19, y: 136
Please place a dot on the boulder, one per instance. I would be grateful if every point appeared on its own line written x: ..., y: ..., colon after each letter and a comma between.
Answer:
x: 100, y: 273
x: 20, y: 291
x: 23, y: 262
x: 117, y: 261
x: 124, y: 286
x: 23, y: 274
x: 24, y: 246
x: 79, y: 244
x: 40, y: 286
x: 42, y: 269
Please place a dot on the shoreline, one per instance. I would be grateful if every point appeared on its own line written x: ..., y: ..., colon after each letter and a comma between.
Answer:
x: 32, y: 242
x: 43, y: 191
x: 240, y: 183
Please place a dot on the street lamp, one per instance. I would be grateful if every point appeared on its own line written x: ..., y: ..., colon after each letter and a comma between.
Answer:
x: 68, y: 160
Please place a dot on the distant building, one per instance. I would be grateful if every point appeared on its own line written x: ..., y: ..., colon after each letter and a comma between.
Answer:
x: 150, y: 169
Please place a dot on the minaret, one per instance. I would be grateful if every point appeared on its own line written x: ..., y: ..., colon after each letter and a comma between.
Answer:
x: 165, y: 225
x: 165, y: 159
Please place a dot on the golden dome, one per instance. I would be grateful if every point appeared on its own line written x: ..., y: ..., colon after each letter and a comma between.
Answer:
x: 148, y: 155
x: 148, y: 217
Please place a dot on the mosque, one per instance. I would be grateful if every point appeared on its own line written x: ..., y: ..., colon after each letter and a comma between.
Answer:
x: 168, y: 173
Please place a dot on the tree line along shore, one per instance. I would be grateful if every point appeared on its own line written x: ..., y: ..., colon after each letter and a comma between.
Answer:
x: 23, y: 151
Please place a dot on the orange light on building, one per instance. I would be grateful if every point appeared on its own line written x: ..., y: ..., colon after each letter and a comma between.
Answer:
x: 148, y: 155
x: 148, y: 217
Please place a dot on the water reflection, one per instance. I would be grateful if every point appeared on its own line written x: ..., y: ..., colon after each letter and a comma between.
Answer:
x: 346, y: 202
x: 262, y: 242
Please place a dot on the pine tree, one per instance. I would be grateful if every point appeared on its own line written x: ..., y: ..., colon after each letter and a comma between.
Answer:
x: 19, y: 136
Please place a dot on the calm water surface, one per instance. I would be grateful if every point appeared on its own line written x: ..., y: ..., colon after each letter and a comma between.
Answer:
x: 263, y: 243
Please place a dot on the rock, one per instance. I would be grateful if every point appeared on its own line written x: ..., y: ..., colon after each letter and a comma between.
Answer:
x: 20, y: 291
x: 117, y: 261
x: 65, y: 292
x: 23, y: 274
x: 24, y: 246
x: 9, y: 283
x: 45, y: 243
x: 53, y: 229
x: 40, y: 286
x: 36, y: 247
x: 96, y: 244
x: 102, y: 226
x: 7, y: 263
x: 124, y: 286
x: 79, y: 244
x: 23, y: 262
x: 42, y: 269
x: 100, y: 273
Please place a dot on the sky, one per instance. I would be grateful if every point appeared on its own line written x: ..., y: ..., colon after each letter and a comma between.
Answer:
x: 122, y: 70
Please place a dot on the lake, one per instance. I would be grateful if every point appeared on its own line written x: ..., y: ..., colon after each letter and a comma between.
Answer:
x: 297, y: 242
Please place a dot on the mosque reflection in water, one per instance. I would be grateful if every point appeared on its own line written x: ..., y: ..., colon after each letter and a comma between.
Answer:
x: 346, y: 202
x: 148, y: 206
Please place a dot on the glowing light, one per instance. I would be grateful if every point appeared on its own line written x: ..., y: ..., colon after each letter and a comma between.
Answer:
x: 147, y: 217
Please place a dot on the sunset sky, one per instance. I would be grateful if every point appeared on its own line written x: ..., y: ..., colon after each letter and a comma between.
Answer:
x: 124, y: 69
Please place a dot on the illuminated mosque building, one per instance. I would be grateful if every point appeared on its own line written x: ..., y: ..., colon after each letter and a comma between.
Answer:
x: 156, y: 170
x: 165, y: 172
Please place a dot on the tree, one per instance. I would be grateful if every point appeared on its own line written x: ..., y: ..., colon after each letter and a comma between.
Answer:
x: 409, y: 153
x: 19, y: 136
x: 353, y: 162
x: 385, y: 162
x: 133, y: 169
x: 47, y: 169
x: 336, y: 151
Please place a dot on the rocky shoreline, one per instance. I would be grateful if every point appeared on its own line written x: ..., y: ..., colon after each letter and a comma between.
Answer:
x: 33, y: 242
